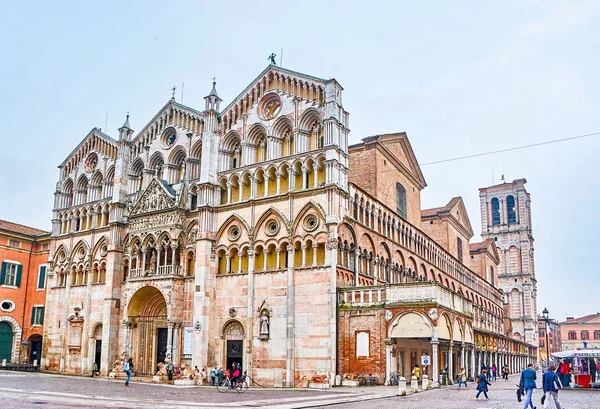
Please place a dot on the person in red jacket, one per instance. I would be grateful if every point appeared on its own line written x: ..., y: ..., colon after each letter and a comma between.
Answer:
x: 565, y: 373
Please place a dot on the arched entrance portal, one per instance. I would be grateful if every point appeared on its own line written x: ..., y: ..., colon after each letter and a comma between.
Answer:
x: 35, y: 348
x: 234, y: 337
x: 6, y: 341
x: 148, y: 315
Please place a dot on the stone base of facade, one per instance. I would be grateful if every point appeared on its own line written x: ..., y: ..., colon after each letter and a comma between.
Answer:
x: 350, y: 383
x: 318, y: 385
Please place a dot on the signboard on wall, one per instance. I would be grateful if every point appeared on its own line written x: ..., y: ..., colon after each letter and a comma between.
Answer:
x: 425, y: 360
x: 188, y: 333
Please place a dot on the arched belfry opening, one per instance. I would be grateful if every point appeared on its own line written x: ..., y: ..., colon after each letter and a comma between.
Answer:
x: 150, y: 333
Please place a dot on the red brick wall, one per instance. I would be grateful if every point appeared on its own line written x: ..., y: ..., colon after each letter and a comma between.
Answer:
x: 352, y: 322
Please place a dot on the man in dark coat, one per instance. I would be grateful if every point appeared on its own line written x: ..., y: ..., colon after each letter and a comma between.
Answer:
x: 527, y: 382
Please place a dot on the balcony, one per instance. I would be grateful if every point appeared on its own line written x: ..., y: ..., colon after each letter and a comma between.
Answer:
x: 405, y: 293
x: 161, y: 272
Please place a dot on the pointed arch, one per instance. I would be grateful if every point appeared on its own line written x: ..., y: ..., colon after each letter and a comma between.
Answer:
x: 226, y: 223
x: 80, y: 244
x: 102, y: 241
x: 137, y: 167
x: 196, y: 152
x: 61, y: 249
x: 266, y: 215
x: 307, y: 207
x: 156, y: 160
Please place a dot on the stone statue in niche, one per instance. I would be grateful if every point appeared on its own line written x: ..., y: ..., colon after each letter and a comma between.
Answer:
x: 152, y: 266
x: 264, y: 324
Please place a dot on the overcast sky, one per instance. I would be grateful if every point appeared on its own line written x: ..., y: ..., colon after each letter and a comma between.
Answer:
x: 459, y: 77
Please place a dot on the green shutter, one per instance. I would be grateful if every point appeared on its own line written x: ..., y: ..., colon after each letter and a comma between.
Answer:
x: 42, y: 279
x: 18, y: 279
x: 42, y: 316
x: 3, y: 273
x: 33, y: 316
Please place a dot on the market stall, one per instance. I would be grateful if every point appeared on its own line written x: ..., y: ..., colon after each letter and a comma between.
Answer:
x: 584, y: 364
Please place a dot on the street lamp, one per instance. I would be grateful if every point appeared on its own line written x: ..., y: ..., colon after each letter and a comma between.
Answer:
x: 546, y: 313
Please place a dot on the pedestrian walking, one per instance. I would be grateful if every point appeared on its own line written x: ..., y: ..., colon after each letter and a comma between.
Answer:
x: 551, y: 384
x: 128, y: 368
x: 417, y: 372
x: 527, y: 382
x: 462, y: 377
x: 505, y: 372
x: 482, y: 384
x: 213, y: 375
x: 564, y: 371
x: 494, y: 369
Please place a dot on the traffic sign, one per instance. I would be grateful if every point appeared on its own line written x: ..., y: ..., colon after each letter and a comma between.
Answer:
x: 425, y: 360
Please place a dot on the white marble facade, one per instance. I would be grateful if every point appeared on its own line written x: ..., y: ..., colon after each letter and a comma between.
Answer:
x: 208, y: 237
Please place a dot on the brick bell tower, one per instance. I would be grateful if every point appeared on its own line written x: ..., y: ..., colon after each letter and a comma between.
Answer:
x: 506, y: 219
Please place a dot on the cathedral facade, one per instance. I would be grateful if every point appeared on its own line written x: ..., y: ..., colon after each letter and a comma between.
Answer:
x: 254, y: 234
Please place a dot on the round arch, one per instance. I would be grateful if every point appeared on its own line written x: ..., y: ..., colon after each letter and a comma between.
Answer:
x: 410, y: 324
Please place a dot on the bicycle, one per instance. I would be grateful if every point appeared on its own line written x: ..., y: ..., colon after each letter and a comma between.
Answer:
x: 240, y: 385
x: 367, y: 380
x: 394, y: 378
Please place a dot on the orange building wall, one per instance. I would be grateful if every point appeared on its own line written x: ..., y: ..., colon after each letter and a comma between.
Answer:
x: 31, y: 255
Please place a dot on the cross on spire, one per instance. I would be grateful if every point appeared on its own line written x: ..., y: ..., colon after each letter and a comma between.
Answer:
x: 173, y: 91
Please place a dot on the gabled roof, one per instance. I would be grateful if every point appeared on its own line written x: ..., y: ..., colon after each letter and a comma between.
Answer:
x: 447, y: 211
x: 21, y: 229
x: 488, y: 245
x: 279, y: 70
x: 582, y: 320
x: 385, y: 144
x: 170, y: 103
x: 95, y: 131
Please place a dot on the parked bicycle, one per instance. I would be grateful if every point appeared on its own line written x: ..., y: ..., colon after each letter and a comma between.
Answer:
x: 240, y: 385
x: 364, y: 380
x: 394, y: 378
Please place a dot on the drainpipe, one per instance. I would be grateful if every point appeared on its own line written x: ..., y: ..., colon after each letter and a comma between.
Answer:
x: 25, y: 301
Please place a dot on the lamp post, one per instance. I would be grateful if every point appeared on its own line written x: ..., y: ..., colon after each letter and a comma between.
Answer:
x: 546, y: 313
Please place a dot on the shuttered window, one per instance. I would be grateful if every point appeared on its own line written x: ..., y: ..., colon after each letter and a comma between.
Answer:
x: 42, y: 278
x: 10, y: 274
x: 401, y: 200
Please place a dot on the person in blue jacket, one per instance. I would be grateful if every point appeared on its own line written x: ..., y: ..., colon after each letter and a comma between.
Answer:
x: 482, y: 385
x: 551, y: 384
x: 527, y: 382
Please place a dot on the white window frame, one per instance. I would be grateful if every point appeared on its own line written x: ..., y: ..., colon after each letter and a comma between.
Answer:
x: 38, y: 288
x: 8, y: 264
x: 38, y: 306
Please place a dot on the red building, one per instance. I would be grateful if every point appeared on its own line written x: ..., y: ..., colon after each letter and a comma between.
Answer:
x: 24, y: 256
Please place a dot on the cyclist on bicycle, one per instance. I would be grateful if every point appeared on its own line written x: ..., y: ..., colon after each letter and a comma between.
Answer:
x: 236, y: 372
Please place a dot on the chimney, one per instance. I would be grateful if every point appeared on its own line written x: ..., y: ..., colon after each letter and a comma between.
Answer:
x: 570, y: 318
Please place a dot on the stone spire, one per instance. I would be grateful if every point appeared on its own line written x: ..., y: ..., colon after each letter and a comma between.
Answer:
x: 125, y: 131
x: 212, y: 100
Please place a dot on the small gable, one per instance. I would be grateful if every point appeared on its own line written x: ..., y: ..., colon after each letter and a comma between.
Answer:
x: 158, y: 196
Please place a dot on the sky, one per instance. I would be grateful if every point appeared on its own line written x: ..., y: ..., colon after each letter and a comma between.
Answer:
x: 460, y: 77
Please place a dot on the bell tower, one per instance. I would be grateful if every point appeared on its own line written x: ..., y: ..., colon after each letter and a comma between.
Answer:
x: 506, y: 219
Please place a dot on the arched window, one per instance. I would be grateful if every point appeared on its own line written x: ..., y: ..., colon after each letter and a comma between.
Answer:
x: 495, y: 212
x: 510, y: 209
x: 401, y: 200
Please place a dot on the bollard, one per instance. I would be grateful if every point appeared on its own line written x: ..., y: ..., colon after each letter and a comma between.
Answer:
x: 4, y: 362
x: 35, y: 363
x: 402, y: 386
x: 338, y: 380
x: 414, y: 384
x: 425, y: 384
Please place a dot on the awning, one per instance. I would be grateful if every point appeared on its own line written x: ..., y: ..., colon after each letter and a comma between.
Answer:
x: 578, y: 353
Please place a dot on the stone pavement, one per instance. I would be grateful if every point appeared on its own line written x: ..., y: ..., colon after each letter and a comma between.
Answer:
x: 28, y: 391
x: 502, y: 396
x: 35, y: 390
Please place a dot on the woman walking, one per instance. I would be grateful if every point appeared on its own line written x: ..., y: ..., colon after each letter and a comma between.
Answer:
x: 462, y: 377
x: 482, y: 385
x: 128, y: 368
